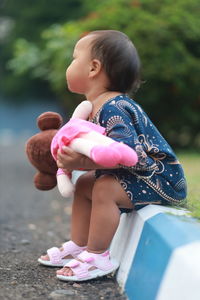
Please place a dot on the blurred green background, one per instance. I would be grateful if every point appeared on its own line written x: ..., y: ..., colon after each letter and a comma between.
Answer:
x: 37, y: 38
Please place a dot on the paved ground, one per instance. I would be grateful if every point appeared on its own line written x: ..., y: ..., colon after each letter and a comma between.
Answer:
x: 30, y: 222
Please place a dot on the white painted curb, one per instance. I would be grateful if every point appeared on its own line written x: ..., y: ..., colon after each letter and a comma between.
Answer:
x: 159, y: 253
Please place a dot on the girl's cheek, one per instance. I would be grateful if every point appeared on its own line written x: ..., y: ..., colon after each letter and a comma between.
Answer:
x: 68, y: 77
x: 67, y: 72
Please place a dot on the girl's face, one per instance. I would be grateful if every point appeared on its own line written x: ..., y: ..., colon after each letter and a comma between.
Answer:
x: 78, y: 71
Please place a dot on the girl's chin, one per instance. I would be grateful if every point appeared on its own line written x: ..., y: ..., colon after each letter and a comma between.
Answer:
x: 76, y: 91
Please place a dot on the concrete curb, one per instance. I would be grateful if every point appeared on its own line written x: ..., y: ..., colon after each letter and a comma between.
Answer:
x: 159, y: 253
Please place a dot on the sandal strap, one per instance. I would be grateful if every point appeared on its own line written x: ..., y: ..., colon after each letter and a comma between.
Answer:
x: 100, y: 261
x: 69, y: 248
x: 54, y: 255
x: 80, y: 269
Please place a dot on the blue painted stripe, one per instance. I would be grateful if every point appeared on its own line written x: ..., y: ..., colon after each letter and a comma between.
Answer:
x: 160, y: 236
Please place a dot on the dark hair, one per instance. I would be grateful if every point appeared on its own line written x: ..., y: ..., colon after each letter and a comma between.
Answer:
x: 119, y: 58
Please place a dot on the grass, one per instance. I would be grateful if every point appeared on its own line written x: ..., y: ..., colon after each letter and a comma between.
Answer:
x: 191, y: 165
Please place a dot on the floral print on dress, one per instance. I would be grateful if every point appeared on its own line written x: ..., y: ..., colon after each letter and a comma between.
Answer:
x: 158, y: 176
x: 152, y: 151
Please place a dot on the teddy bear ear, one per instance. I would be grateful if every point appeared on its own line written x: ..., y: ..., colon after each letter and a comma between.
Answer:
x: 49, y: 120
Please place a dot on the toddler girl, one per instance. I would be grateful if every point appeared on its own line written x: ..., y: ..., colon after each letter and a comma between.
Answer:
x: 105, y: 68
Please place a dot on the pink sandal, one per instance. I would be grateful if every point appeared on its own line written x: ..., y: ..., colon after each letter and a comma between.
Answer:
x: 83, y: 270
x: 56, y: 255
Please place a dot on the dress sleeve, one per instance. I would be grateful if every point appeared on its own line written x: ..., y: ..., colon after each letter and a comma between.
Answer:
x: 120, y: 126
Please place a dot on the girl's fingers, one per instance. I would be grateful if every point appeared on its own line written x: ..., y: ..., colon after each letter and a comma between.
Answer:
x: 67, y: 150
x: 59, y: 164
x: 68, y: 158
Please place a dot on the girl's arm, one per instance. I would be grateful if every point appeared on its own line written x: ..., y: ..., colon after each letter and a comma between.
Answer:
x: 70, y: 160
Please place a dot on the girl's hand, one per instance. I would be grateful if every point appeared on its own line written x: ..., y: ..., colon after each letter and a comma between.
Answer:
x: 68, y: 159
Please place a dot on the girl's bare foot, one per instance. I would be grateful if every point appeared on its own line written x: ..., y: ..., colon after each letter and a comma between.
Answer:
x: 59, y: 256
x: 65, y: 271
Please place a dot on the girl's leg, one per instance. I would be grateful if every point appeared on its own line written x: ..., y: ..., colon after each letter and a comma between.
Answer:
x: 81, y: 210
x: 107, y: 197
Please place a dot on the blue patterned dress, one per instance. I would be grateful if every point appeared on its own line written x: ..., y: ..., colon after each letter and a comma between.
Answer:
x: 158, y: 177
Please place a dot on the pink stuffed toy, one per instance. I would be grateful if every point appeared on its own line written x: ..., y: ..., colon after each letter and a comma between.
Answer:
x: 89, y: 139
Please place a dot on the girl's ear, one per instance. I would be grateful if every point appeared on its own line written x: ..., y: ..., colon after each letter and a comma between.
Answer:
x: 95, y: 68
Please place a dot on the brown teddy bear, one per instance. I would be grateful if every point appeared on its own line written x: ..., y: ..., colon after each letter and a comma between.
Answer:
x: 81, y: 136
x: 39, y: 152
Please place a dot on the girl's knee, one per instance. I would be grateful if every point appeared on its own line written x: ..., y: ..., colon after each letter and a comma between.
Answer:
x: 84, y: 184
x: 80, y: 182
x: 108, y: 190
x: 102, y: 190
